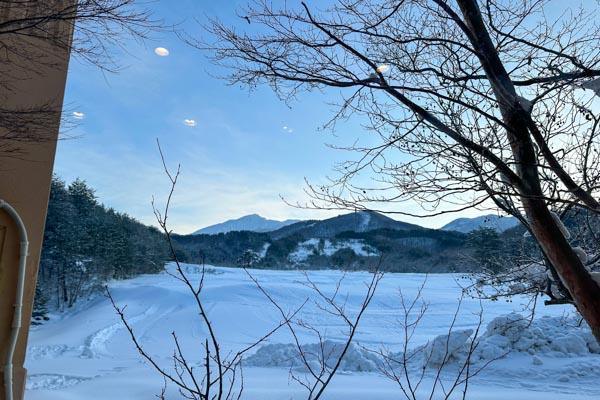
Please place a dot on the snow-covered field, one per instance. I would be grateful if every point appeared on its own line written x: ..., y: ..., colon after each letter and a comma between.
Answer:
x: 87, y: 353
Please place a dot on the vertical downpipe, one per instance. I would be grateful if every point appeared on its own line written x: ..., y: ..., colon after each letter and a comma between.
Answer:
x: 16, y: 324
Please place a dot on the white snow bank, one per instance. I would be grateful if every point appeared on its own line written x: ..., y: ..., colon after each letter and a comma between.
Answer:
x: 504, y: 335
x: 288, y: 356
x: 553, y: 336
x: 444, y: 347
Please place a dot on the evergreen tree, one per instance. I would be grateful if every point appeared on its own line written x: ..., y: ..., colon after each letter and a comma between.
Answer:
x: 248, y: 259
x: 489, y: 251
x: 86, y: 244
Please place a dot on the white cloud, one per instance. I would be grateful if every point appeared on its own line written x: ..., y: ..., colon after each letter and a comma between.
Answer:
x: 189, y: 122
x: 78, y: 115
x: 287, y: 129
x: 161, y: 51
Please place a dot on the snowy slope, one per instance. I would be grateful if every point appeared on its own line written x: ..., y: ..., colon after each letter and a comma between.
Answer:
x: 87, y: 353
x: 466, y: 225
x: 253, y: 222
x: 327, y: 247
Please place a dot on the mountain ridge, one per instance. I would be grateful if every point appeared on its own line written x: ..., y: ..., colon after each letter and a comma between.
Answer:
x: 356, y: 241
x: 497, y: 222
x: 251, y: 222
x: 361, y: 221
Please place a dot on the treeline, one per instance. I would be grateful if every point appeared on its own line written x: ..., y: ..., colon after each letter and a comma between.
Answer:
x: 418, y: 250
x: 86, y: 244
x: 413, y: 250
x: 219, y: 249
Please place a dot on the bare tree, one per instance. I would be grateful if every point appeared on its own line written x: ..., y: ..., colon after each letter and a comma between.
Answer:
x: 441, y: 368
x: 100, y: 27
x: 447, y: 360
x: 221, y: 375
x: 323, y: 362
x: 473, y: 101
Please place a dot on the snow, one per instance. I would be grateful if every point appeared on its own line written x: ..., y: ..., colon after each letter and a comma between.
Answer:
x: 445, y: 346
x: 581, y: 254
x: 563, y: 229
x: 287, y: 356
x: 364, y: 223
x: 263, y: 251
x: 87, y: 353
x: 312, y: 246
x: 554, y: 336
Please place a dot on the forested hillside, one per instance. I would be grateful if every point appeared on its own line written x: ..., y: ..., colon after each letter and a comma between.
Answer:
x: 86, y: 244
x: 347, y: 242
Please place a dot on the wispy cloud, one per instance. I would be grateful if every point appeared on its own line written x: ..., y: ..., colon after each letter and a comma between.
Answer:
x: 287, y: 129
x: 209, y: 191
x: 78, y: 115
x: 189, y: 122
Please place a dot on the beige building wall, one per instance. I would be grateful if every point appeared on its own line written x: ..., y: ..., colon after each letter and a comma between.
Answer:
x: 33, y: 74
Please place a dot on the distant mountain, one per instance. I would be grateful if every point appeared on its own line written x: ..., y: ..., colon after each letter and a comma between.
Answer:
x: 253, y: 222
x: 362, y: 221
x: 356, y: 241
x: 466, y: 225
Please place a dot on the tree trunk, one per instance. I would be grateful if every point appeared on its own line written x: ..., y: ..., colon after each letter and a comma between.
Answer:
x: 584, y: 290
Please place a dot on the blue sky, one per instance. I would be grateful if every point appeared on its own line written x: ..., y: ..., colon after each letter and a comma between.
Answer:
x: 244, y: 152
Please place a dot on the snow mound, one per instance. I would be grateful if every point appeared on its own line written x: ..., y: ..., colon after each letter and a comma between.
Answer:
x: 445, y: 347
x: 510, y: 326
x: 287, y: 355
x: 442, y: 350
x: 558, y: 337
x: 553, y: 336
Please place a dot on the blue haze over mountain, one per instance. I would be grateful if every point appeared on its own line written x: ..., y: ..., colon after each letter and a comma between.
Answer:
x: 253, y: 222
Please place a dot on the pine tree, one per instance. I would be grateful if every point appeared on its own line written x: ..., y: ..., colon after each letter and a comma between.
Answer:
x: 489, y: 251
x: 86, y: 244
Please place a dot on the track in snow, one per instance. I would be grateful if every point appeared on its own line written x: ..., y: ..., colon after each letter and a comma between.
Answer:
x: 88, y: 353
